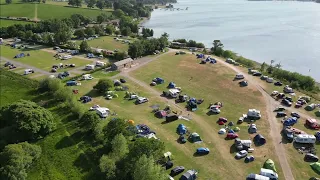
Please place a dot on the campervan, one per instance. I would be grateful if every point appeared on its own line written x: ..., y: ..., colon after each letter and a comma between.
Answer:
x: 87, y: 77
x: 89, y: 67
x: 254, y: 114
x: 100, y: 63
x: 28, y: 71
x: 66, y: 57
x: 305, y: 139
x: 103, y: 112
x: 174, y: 92
x: 269, y: 173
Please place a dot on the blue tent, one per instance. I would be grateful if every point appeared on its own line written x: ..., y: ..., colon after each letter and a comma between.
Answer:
x: 290, y: 121
x: 181, y: 129
x: 71, y: 83
x: 19, y: 55
x: 230, y: 131
x: 159, y: 80
x: 259, y: 139
x: 200, y: 55
x: 213, y: 61
x: 171, y: 85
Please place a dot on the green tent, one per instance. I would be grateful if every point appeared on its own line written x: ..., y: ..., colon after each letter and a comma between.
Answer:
x: 318, y: 113
x: 315, y: 166
x: 269, y: 164
x: 236, y: 129
x: 195, y: 137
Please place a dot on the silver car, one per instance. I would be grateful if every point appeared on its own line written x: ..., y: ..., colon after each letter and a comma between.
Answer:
x: 241, y: 154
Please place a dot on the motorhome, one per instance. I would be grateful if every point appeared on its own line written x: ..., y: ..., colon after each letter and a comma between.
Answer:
x: 254, y: 114
x: 174, y: 92
x: 103, y: 112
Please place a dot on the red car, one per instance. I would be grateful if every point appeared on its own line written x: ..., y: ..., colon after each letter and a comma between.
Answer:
x: 298, y: 105
x: 232, y: 136
x: 313, y: 124
x: 222, y: 120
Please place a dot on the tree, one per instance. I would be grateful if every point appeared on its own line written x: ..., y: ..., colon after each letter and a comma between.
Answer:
x: 21, y: 34
x: 72, y: 45
x: 100, y: 4
x: 8, y: 1
x: 118, y: 13
x: 78, y: 3
x: 135, y: 49
x: 91, y: 3
x: 146, y: 169
x: 28, y: 119
x: 146, y: 32
x: 217, y: 48
x: 36, y: 38
x: 120, y: 55
x: 109, y: 29
x: 119, y: 147
x: 191, y: 43
x: 103, y: 85
x: 98, y: 30
x: 227, y: 54
x: 43, y: 1
x: 149, y: 147
x: 200, y: 45
x: 271, y: 62
x: 90, y: 119
x: 71, y: 2
x: 28, y: 35
x: 126, y: 31
x: 108, y: 166
x: 79, y: 33
x: 89, y: 31
x: 278, y: 65
x: 263, y: 67
x: 84, y: 46
x: 16, y: 158
x: 100, y: 19
x: 115, y: 127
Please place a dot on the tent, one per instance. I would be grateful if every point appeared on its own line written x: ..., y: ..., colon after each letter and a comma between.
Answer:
x: 222, y: 131
x: 310, y: 107
x: 192, y: 103
x: 200, y: 55
x: 317, y: 113
x: 252, y: 128
x: 158, y: 80
x: 161, y: 114
x: 231, y: 131
x: 290, y: 121
x: 231, y: 124
x: 269, y: 164
x: 181, y: 129
x: 116, y: 83
x: 195, y: 137
x: 317, y: 135
x: 259, y: 139
x: 173, y: 117
x: 189, y: 175
x: 316, y: 167
x: 171, y: 85
x: 236, y: 129
x: 131, y: 122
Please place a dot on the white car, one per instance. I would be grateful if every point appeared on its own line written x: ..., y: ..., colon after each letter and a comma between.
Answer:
x: 94, y: 107
x: 241, y: 154
x: 141, y: 100
x: 215, y: 109
x: 28, y: 71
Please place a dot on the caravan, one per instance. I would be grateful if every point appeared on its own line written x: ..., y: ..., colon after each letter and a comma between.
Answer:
x: 89, y: 67
x: 66, y: 57
x: 174, y: 92
x: 305, y: 139
x: 254, y: 114
x: 269, y: 173
x: 103, y: 112
x: 87, y: 77
x: 100, y: 63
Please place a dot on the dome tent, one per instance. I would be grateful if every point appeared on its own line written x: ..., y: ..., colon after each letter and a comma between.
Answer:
x: 259, y: 139
x: 269, y: 164
x: 236, y: 129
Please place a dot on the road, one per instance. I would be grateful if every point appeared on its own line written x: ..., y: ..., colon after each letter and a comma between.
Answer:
x: 17, y: 63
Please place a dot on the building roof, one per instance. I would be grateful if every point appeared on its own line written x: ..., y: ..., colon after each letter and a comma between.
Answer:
x: 123, y: 62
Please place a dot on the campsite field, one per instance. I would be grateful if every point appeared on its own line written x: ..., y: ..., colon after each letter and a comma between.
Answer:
x: 6, y: 23
x: 107, y: 42
x: 39, y: 59
x: 214, y: 84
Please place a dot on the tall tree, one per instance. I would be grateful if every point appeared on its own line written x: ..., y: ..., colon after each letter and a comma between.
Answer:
x: 28, y: 119
x: 108, y: 166
x: 78, y: 3
x: 115, y: 127
x: 79, y: 33
x: 100, y: 19
x: 89, y: 31
x: 146, y: 169
x: 16, y: 158
x: 72, y: 2
x: 84, y: 46
x: 90, y: 120
x: 103, y: 85
x: 217, y: 45
x: 91, y: 3
x: 119, y: 147
x: 100, y: 4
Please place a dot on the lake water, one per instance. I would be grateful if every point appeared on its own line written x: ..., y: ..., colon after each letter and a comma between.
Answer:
x: 285, y: 31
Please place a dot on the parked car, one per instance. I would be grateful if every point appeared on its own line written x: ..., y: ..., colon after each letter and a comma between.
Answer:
x: 85, y: 99
x: 7, y: 64
x: 280, y: 109
x: 288, y: 133
x: 289, y: 98
x: 281, y: 95
x: 264, y: 77
x: 278, y: 83
x: 123, y: 81
x: 222, y: 120
x: 94, y: 107
x: 298, y: 105
x: 28, y: 71
x: 286, y: 102
x: 294, y: 114
x: 141, y: 100
x: 257, y: 74
x: 241, y: 154
x: 202, y: 151
x: 311, y: 158
x: 177, y: 170
x: 281, y: 114
x: 232, y: 136
x: 313, y: 124
x: 249, y: 159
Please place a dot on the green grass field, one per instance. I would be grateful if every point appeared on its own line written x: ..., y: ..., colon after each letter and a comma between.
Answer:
x: 107, y: 42
x: 40, y: 59
x: 18, y: 10
x: 15, y: 87
x: 6, y: 23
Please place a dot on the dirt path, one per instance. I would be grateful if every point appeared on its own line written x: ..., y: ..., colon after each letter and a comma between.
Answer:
x: 275, y: 127
x: 19, y: 64
x: 35, y: 12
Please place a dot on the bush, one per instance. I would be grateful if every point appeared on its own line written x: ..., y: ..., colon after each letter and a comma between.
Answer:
x: 103, y: 85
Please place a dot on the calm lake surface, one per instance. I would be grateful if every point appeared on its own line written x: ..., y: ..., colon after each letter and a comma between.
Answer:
x: 288, y: 32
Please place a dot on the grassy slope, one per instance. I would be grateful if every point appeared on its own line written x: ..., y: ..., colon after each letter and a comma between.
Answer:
x: 6, y: 23
x: 107, y: 42
x: 40, y: 59
x: 14, y: 87
x: 17, y: 10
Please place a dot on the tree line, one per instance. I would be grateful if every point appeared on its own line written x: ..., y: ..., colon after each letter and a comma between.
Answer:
x: 190, y: 43
x: 294, y: 79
